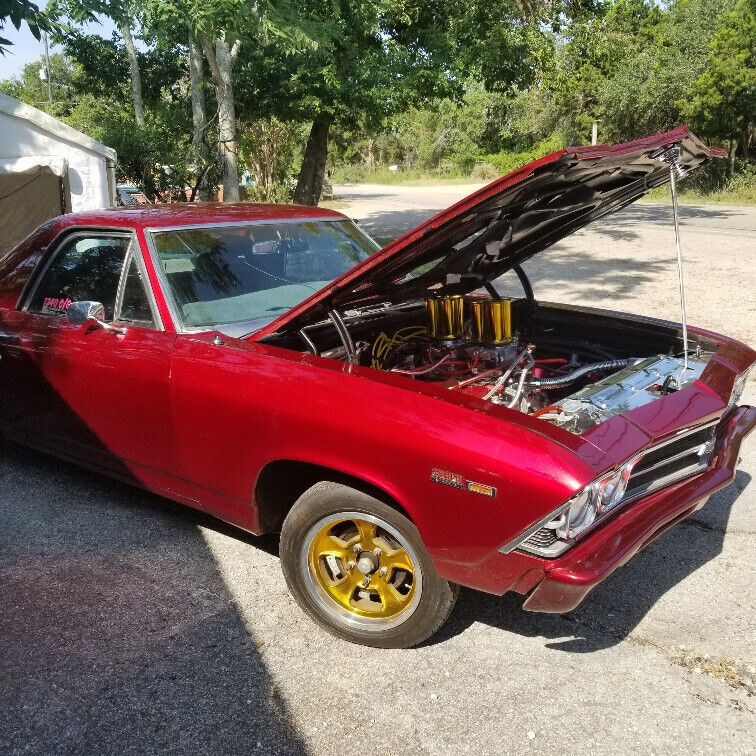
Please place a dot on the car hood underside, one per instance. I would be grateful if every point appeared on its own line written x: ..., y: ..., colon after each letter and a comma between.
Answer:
x: 505, y: 223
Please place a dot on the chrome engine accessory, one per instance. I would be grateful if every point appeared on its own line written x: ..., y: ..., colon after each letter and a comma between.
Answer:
x: 491, y: 320
x: 445, y: 317
x: 566, y: 380
x: 638, y: 384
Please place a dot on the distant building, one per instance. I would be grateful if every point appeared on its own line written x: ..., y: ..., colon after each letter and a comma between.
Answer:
x: 47, y: 168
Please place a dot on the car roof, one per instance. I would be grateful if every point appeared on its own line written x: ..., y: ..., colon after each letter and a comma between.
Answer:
x: 181, y: 214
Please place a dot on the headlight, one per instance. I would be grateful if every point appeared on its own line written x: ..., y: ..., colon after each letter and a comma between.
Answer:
x: 739, y: 386
x: 555, y: 534
x: 611, y: 488
x: 580, y: 514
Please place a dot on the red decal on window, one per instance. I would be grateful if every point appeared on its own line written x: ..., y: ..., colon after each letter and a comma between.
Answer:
x: 56, y: 303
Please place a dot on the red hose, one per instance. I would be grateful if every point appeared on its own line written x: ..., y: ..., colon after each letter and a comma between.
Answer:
x: 544, y: 410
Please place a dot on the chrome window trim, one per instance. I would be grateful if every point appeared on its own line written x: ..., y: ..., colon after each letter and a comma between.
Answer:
x: 170, y: 302
x: 52, y: 256
x: 52, y: 250
x: 257, y: 222
x: 156, y: 324
x: 657, y: 485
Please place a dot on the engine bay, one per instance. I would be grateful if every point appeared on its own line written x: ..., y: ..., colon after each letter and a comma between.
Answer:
x: 572, y: 370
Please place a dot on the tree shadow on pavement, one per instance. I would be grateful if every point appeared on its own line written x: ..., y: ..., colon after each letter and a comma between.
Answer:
x: 118, y: 633
x: 574, y: 272
x: 615, y: 607
x: 627, y: 224
x: 644, y: 213
x: 394, y: 223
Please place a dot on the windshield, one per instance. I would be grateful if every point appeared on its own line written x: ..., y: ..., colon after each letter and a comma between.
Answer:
x: 254, y: 271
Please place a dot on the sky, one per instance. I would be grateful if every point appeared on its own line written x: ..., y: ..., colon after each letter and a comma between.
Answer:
x: 26, y: 49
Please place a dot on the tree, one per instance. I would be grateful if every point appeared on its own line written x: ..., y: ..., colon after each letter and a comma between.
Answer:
x: 221, y: 57
x: 123, y: 13
x: 220, y: 28
x: 23, y: 12
x: 380, y: 57
x: 721, y: 102
x: 372, y: 59
x: 200, y: 123
x: 29, y: 88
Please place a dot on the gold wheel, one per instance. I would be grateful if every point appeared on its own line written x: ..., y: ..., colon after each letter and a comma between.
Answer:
x: 362, y: 570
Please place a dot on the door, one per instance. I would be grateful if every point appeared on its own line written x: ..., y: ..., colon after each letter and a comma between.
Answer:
x: 92, y: 393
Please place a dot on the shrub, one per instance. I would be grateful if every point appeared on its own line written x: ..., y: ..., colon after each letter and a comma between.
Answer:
x: 506, y: 162
x: 484, y: 172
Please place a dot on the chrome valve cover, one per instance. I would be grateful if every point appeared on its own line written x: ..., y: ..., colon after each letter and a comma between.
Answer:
x: 626, y: 389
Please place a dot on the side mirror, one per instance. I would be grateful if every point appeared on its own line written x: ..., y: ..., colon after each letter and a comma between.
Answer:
x: 82, y: 313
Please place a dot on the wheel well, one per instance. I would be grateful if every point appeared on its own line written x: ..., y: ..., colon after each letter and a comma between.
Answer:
x: 282, y: 482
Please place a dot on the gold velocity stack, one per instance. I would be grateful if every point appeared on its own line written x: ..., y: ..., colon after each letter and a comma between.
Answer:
x: 491, y: 319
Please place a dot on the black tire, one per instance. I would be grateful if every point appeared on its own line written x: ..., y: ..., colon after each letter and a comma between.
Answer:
x: 433, y: 597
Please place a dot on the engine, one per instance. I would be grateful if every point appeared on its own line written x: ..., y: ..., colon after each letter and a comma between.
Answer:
x: 478, y: 345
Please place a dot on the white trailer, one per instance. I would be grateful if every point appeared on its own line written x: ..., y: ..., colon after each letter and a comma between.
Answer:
x: 47, y: 168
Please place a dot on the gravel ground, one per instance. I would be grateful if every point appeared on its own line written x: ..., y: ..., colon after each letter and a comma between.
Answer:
x: 132, y: 625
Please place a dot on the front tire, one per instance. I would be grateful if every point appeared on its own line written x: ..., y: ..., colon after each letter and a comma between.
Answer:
x: 359, y: 568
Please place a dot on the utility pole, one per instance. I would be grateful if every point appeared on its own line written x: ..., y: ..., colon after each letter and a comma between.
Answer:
x: 49, y: 72
x: 594, y: 133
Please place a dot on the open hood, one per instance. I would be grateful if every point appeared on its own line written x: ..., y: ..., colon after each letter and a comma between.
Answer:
x: 505, y: 223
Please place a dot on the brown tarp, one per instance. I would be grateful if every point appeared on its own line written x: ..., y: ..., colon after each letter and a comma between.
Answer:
x: 28, y: 199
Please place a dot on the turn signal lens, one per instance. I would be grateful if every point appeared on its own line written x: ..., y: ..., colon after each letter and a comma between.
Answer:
x: 739, y: 386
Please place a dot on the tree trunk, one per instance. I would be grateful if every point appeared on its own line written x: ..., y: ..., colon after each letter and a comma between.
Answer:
x: 199, y: 118
x: 221, y: 61
x: 733, y: 150
x: 136, y: 79
x: 310, y: 180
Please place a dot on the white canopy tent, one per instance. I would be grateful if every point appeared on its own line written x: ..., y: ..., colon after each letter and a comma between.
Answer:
x: 47, y: 168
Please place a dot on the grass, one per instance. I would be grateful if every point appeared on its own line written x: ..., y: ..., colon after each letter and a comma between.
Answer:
x: 742, y: 197
x: 361, y: 175
x: 334, y: 204
x: 740, y: 191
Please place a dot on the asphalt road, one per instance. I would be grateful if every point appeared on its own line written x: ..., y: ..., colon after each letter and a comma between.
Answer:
x: 130, y: 625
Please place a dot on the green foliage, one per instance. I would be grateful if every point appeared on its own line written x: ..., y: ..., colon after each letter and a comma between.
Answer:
x: 20, y: 12
x: 267, y: 148
x: 65, y: 77
x: 506, y: 162
x: 721, y: 102
x: 440, y: 89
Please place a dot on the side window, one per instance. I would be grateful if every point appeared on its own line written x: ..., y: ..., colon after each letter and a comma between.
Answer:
x: 135, y: 307
x: 84, y: 268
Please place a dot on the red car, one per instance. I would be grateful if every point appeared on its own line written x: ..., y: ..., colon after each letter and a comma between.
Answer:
x: 409, y: 419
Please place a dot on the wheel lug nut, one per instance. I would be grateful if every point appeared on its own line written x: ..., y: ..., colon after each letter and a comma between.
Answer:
x: 377, y: 552
x: 366, y: 581
x: 382, y: 572
x: 350, y: 565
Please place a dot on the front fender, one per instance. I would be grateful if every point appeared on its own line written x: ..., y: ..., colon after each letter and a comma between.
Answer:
x: 238, y: 409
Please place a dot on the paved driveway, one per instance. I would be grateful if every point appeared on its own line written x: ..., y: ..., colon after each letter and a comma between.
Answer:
x: 132, y: 625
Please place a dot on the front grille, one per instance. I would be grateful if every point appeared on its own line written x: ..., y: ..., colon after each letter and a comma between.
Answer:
x: 671, y: 461
x: 686, y: 454
x: 541, y: 539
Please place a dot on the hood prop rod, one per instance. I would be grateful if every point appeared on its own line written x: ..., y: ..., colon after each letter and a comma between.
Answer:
x: 676, y: 170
